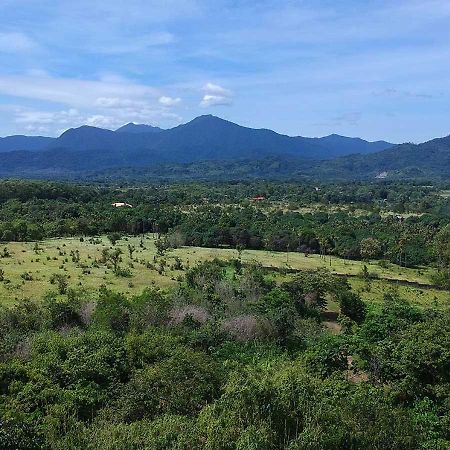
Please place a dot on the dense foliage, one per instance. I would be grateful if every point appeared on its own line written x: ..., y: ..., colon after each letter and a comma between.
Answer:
x: 229, y: 359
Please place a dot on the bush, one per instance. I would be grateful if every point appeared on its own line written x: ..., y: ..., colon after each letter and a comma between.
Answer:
x: 248, y: 327
x: 442, y: 278
x: 352, y: 306
x: 193, y: 312
x: 61, y: 281
x: 150, y: 308
x: 63, y: 313
x: 165, y: 432
x: 328, y: 356
x: 114, y: 237
x: 181, y: 384
x: 122, y: 272
x: 26, y: 276
x: 112, y: 311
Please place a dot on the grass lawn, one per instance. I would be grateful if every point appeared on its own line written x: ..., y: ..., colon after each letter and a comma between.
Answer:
x: 55, y: 256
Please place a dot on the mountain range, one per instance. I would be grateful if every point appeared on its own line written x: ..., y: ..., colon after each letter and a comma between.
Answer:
x: 209, y: 143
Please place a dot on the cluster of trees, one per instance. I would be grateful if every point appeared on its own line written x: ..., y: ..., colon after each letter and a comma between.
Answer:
x: 394, y: 196
x: 229, y: 359
x: 222, y: 215
x: 409, y: 242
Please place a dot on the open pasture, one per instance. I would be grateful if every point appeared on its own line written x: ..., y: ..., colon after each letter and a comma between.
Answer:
x: 29, y: 268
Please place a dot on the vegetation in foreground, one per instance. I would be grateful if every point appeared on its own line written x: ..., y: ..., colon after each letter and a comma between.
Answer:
x: 229, y: 359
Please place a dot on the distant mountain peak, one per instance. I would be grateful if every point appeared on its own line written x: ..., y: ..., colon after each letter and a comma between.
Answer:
x: 210, y: 119
x: 85, y: 130
x: 206, y: 117
x: 138, y: 128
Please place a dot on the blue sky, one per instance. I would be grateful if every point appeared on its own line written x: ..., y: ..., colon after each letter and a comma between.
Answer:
x: 375, y: 69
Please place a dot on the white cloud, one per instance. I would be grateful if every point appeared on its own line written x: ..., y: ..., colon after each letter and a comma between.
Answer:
x: 65, y: 117
x: 114, y: 102
x: 169, y: 101
x: 106, y: 113
x: 101, y: 121
x: 72, y: 91
x: 215, y: 89
x: 14, y: 42
x: 108, y: 102
x: 215, y: 100
x: 215, y: 95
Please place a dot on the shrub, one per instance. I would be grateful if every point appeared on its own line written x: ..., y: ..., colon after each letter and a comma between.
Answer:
x: 62, y: 313
x: 112, y: 311
x: 165, y: 432
x: 329, y: 355
x: 194, y: 312
x: 247, y: 328
x: 114, y: 237
x: 123, y: 272
x: 352, y: 306
x: 150, y: 308
x: 442, y: 278
x: 61, y: 281
x: 27, y: 276
x: 181, y: 384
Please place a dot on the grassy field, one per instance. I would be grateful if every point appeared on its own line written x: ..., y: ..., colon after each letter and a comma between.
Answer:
x: 29, y: 269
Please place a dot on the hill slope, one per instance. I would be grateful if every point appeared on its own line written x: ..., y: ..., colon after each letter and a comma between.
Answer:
x: 429, y: 159
x: 29, y: 143
x: 204, y: 138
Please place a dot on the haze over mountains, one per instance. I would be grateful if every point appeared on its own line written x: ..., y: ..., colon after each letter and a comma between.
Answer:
x: 209, y: 141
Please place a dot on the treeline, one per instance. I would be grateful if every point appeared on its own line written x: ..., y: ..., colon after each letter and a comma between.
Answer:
x: 213, y: 215
x: 408, y: 242
x: 395, y: 196
x: 228, y: 360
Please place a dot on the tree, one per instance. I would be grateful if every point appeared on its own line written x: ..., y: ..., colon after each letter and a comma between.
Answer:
x: 441, y: 246
x: 352, y: 306
x: 181, y: 384
x: 61, y: 281
x: 112, y: 311
x: 115, y: 258
x: 329, y: 355
x: 131, y: 249
x: 114, y: 237
x: 370, y: 248
x: 417, y: 359
x: 7, y: 236
x: 365, y: 273
x: 161, y: 246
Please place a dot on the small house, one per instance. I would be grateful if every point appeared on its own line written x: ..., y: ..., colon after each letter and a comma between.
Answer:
x: 121, y: 205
